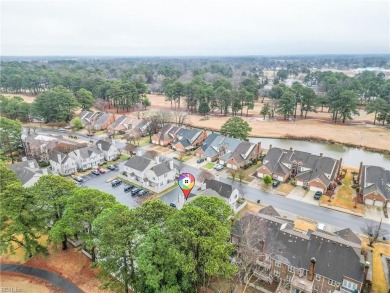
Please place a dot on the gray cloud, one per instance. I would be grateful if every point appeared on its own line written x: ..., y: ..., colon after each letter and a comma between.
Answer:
x: 184, y: 27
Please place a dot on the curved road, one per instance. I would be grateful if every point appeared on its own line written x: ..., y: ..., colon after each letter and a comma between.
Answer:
x: 52, y: 278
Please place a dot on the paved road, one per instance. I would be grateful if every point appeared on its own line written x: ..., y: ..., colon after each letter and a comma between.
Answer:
x: 320, y: 214
x: 52, y: 278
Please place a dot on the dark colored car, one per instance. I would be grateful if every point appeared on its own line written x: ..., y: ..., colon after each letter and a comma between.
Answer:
x: 135, y: 191
x: 276, y: 183
x: 142, y: 192
x: 317, y: 195
x: 258, y: 201
x: 115, y: 183
x: 95, y: 172
x: 200, y: 160
x: 128, y: 188
x: 111, y: 167
x: 172, y: 205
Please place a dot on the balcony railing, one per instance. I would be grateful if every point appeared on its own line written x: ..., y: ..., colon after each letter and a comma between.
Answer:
x: 264, y: 264
x: 264, y: 276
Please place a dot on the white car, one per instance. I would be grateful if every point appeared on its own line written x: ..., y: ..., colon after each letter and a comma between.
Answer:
x: 219, y: 167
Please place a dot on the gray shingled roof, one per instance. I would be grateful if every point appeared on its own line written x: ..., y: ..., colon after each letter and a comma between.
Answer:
x: 223, y: 189
x: 86, y: 152
x: 190, y: 134
x: 335, y: 257
x: 270, y: 211
x: 376, y: 178
x: 25, y: 172
x: 102, y: 118
x: 54, y: 157
x: 138, y: 163
x: 214, y: 142
x: 161, y: 168
x: 348, y: 235
x: 105, y: 144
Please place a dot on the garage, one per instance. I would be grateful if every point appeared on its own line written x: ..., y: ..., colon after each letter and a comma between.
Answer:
x: 280, y: 178
x: 231, y: 166
x: 378, y: 203
x: 369, y: 202
x: 314, y: 188
x: 300, y: 183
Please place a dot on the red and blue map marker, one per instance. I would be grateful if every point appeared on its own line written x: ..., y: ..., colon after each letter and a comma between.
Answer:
x: 186, y: 183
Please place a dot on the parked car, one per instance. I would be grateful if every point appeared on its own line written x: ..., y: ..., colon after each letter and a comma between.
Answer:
x: 135, y: 191
x: 317, y: 195
x: 101, y: 170
x: 128, y: 188
x: 276, y: 183
x: 258, y: 201
x: 95, y: 172
x: 111, y: 167
x: 219, y: 167
x: 67, y: 127
x: 201, y: 160
x: 78, y: 178
x: 172, y: 205
x: 142, y: 192
x: 89, y: 134
x: 116, y: 182
x: 61, y: 129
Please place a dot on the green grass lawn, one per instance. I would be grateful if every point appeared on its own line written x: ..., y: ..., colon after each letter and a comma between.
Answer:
x: 209, y: 165
x: 184, y: 157
x: 144, y: 141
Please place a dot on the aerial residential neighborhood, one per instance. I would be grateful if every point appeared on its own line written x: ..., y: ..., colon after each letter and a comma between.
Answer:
x: 195, y: 146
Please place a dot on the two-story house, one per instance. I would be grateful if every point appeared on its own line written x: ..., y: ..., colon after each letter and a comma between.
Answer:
x: 28, y: 171
x: 215, y: 146
x: 88, y: 157
x: 315, y: 261
x: 374, y: 185
x: 150, y: 173
x: 188, y: 139
x: 243, y: 154
x: 110, y: 151
x: 315, y: 172
x: 62, y: 164
x: 166, y: 135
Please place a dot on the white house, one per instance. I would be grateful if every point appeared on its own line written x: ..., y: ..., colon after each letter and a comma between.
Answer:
x: 87, y: 158
x: 62, y: 164
x: 110, y: 151
x: 150, y: 173
x: 212, y: 187
x: 28, y: 171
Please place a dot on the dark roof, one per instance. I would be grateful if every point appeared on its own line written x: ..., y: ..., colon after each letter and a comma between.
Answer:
x: 348, y: 235
x: 105, y: 144
x: 376, y: 178
x: 215, y: 142
x: 188, y: 134
x: 223, y: 189
x: 138, y: 163
x: 270, y: 211
x: 26, y: 170
x: 54, y: 157
x: 161, y: 168
x: 102, y: 118
x: 335, y: 257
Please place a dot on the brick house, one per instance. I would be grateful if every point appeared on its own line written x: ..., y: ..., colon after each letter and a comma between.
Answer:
x: 103, y: 120
x: 243, y: 154
x: 316, y: 172
x: 315, y: 261
x: 374, y: 184
x: 166, y: 135
x: 188, y: 139
x: 215, y: 146
x: 122, y: 124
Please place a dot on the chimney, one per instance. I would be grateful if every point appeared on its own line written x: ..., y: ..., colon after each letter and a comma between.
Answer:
x: 217, y: 177
x: 321, y: 154
x: 310, y: 275
x: 341, y: 162
x: 365, y: 272
x: 171, y: 164
x: 270, y: 146
x: 59, y: 158
x: 157, y: 159
x: 360, y: 172
x: 203, y: 187
x: 31, y: 164
x: 99, y: 146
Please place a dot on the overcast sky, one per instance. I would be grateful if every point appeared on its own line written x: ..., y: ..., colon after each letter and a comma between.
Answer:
x: 196, y: 27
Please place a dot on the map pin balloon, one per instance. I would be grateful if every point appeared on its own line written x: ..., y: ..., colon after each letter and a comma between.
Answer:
x: 186, y: 183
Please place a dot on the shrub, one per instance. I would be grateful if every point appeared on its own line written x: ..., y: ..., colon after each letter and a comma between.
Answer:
x: 293, y: 182
x: 267, y: 179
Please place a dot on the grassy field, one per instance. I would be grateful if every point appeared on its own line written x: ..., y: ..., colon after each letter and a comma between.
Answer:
x: 344, y: 197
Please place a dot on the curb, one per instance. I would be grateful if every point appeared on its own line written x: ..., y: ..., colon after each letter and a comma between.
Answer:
x: 341, y: 210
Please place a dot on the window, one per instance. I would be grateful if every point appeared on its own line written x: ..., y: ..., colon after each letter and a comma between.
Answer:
x: 331, y: 282
x: 278, y: 264
x: 289, y: 278
x: 277, y: 273
x: 318, y: 277
x: 349, y: 285
x: 290, y: 269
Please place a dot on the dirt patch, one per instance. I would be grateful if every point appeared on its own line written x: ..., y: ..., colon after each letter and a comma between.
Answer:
x: 27, y: 284
x: 27, y: 98
x: 304, y: 225
x: 285, y: 188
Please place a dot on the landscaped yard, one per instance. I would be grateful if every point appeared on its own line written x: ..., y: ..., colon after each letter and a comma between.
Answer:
x: 209, y: 165
x: 378, y: 274
x: 285, y: 188
x: 184, y: 157
x: 344, y: 196
x: 144, y: 141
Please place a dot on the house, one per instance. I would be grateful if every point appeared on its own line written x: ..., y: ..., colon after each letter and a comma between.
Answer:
x: 316, y: 172
x: 188, y: 139
x: 62, y: 164
x: 152, y: 174
x: 122, y: 124
x: 242, y: 155
x: 314, y: 261
x: 110, y: 151
x: 87, y: 117
x: 166, y: 135
x: 28, y: 171
x: 142, y: 127
x: 212, y: 187
x: 103, y: 120
x: 216, y: 145
x: 374, y: 184
x: 87, y: 157
x: 40, y: 146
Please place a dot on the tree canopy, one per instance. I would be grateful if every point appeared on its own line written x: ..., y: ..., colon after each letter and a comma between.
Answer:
x: 236, y: 127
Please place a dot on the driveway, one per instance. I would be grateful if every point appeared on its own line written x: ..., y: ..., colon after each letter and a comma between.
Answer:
x: 54, y: 279
x: 307, y: 196
x: 375, y: 213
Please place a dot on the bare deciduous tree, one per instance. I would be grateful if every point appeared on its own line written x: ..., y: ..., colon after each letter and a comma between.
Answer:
x: 130, y: 148
x: 373, y: 232
x: 240, y: 174
x: 179, y: 166
x: 100, y: 104
x: 205, y: 175
x: 151, y: 154
x: 232, y: 173
x: 180, y: 117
